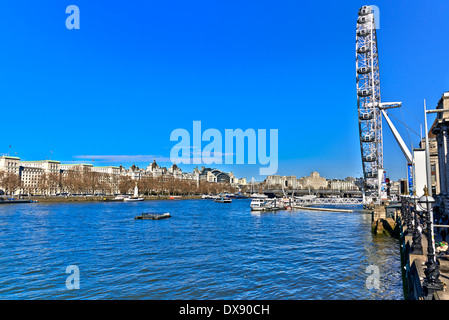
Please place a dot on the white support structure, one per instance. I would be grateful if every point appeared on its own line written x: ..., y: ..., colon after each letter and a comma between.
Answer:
x: 398, y: 138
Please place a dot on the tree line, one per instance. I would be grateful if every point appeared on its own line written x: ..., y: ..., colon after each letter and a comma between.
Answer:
x: 90, y: 182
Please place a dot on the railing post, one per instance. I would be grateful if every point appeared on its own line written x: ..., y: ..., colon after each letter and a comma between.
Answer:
x: 417, y: 241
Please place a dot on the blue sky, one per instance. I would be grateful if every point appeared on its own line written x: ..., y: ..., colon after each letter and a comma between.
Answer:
x: 137, y: 70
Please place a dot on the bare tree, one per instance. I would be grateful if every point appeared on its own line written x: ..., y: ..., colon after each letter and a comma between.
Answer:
x: 126, y: 184
x: 10, y: 182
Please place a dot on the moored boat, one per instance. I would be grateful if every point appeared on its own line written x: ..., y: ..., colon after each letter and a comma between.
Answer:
x: 135, y: 197
x: 261, y: 204
x: 5, y: 200
x: 132, y: 199
x: 257, y: 204
x: 258, y: 196
x: 223, y: 200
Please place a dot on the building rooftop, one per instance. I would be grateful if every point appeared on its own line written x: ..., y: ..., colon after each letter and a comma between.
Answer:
x: 77, y: 164
x: 9, y: 157
x: 52, y: 161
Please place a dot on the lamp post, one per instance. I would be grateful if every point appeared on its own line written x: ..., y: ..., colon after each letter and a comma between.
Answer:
x: 403, y: 213
x: 432, y: 282
x: 416, y: 244
x: 409, y: 215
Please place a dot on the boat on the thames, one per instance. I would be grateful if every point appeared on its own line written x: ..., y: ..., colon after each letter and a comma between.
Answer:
x: 223, y: 200
x: 135, y: 197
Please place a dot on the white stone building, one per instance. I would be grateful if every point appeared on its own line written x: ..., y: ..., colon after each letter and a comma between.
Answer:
x: 10, y: 164
x: 441, y: 131
x: 348, y: 184
x: 314, y: 181
x: 35, y: 176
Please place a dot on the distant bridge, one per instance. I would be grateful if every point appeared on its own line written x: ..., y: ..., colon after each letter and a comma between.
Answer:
x: 327, y: 201
x: 318, y: 193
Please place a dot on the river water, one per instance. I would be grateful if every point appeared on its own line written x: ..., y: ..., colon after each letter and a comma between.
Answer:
x: 206, y: 250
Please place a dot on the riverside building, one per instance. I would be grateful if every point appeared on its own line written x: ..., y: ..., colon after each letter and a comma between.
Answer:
x: 45, y: 176
x: 440, y: 129
x: 313, y: 182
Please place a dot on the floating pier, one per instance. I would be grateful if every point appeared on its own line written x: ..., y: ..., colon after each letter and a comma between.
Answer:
x: 322, y: 209
x: 5, y: 201
x: 152, y: 216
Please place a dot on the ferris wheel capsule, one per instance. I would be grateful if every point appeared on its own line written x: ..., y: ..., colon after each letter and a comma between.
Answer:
x: 364, y: 32
x: 370, y: 158
x: 363, y: 49
x: 367, y: 138
x: 364, y: 92
x: 363, y: 19
x: 365, y: 10
x: 364, y: 70
x: 366, y: 115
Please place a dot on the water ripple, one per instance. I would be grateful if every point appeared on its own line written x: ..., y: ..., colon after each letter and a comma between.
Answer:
x: 205, y: 251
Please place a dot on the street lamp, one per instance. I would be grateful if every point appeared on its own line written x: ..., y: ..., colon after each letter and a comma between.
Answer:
x: 432, y: 282
x: 416, y: 244
x: 409, y: 215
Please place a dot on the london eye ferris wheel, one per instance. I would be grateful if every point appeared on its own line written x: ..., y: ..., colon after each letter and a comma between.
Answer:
x: 369, y: 101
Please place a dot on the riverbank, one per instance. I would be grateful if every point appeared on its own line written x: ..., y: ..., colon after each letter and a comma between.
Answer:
x: 101, y: 198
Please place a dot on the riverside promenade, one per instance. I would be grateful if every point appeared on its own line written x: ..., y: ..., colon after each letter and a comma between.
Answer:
x: 414, y: 262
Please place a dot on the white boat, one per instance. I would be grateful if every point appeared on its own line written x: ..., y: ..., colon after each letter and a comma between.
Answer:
x: 306, y: 197
x: 119, y: 197
x: 268, y: 204
x: 258, y: 196
x: 132, y: 199
x: 135, y: 197
x: 223, y: 200
x: 258, y: 204
x: 262, y: 204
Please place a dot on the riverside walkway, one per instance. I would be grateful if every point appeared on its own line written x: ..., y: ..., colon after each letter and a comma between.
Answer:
x: 414, y: 262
